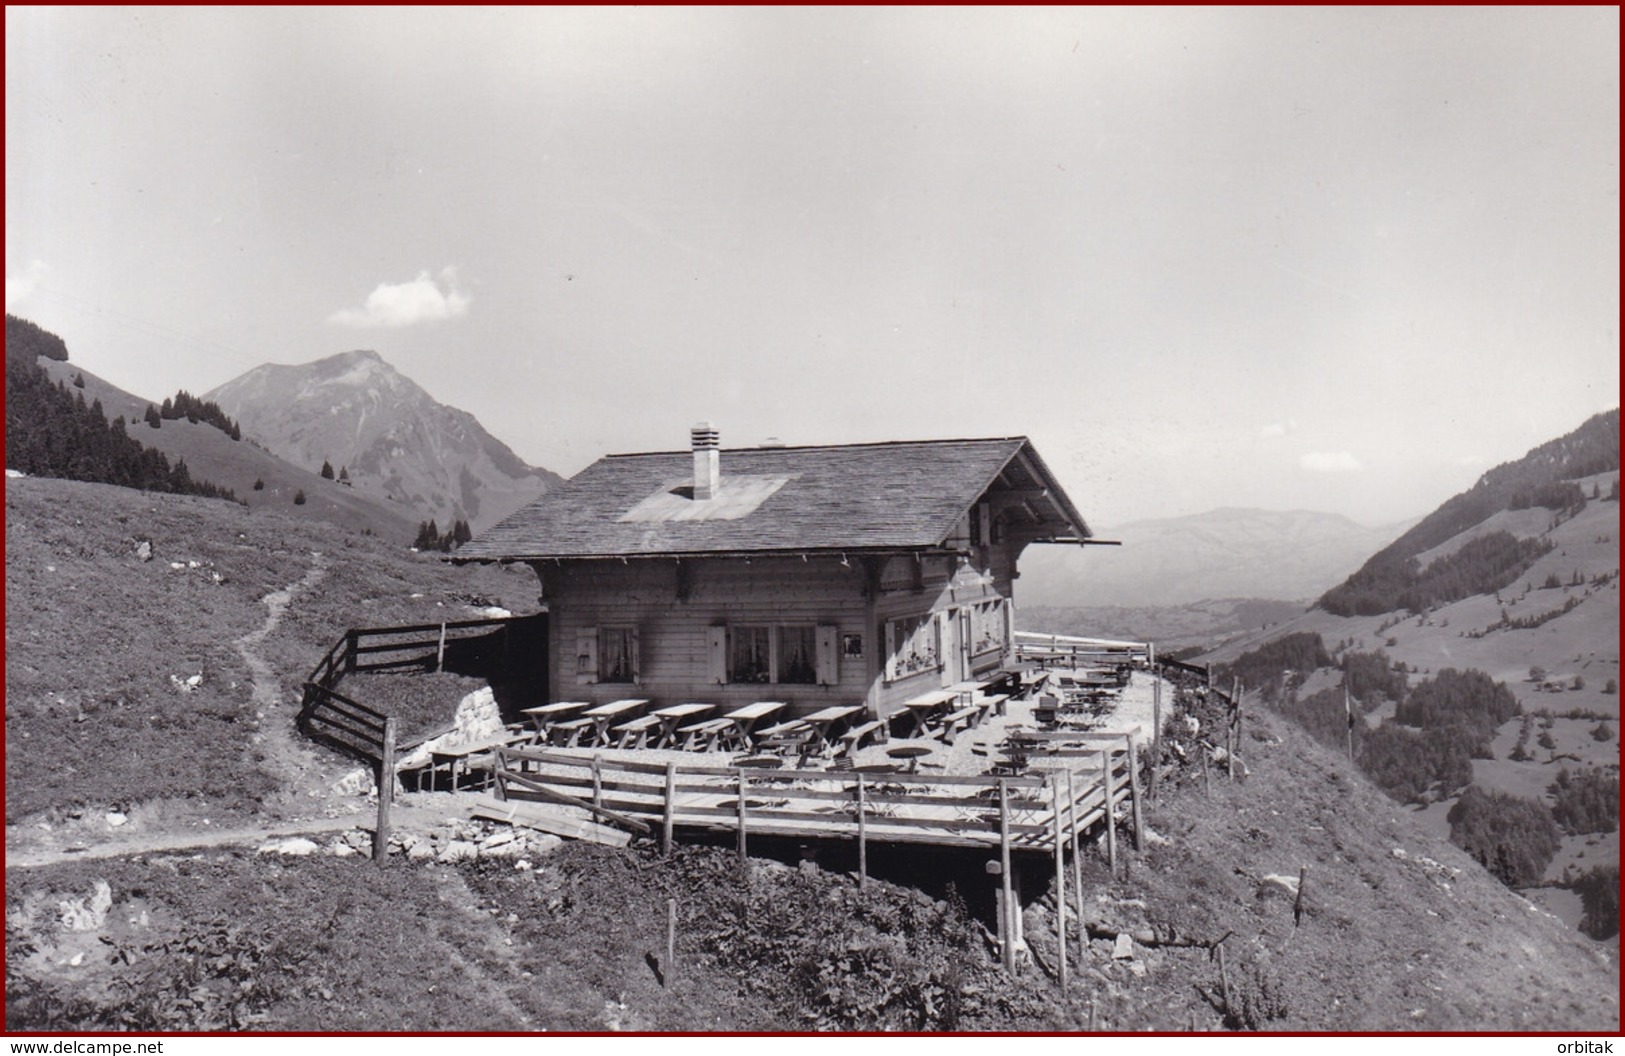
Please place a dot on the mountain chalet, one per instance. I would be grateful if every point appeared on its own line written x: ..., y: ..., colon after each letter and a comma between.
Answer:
x: 814, y: 576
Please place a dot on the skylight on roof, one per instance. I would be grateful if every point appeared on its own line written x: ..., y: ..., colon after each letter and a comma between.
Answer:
x: 737, y: 496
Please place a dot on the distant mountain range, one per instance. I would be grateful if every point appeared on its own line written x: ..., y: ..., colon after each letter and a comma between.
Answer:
x: 1223, y: 553
x: 391, y: 438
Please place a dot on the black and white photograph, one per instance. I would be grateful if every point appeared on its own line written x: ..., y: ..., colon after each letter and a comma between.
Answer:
x: 812, y: 521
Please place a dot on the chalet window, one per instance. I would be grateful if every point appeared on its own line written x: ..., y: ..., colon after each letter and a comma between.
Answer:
x: 617, y: 654
x: 798, y: 653
x: 987, y: 628
x: 607, y: 654
x: 912, y: 646
x: 750, y: 658
x: 787, y: 654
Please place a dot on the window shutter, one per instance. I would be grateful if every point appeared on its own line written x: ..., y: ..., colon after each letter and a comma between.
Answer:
x: 1009, y: 627
x: 637, y: 667
x: 586, y: 656
x: 716, y: 655
x: 829, y: 659
x: 984, y: 513
x: 891, y: 651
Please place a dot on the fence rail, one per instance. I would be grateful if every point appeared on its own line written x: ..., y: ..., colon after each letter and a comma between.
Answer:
x: 1049, y: 649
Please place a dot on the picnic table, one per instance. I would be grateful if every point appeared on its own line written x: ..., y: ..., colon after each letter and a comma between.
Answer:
x: 745, y: 719
x: 921, y: 708
x: 600, y: 718
x: 459, y: 756
x: 545, y: 715
x: 823, y: 720
x: 967, y: 689
x: 671, y: 717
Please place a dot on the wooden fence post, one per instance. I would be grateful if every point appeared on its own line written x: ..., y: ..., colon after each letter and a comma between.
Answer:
x: 1156, y: 729
x: 1077, y: 863
x: 744, y: 860
x: 1111, y: 807
x: 1060, y: 880
x: 1134, y: 794
x: 349, y: 651
x: 671, y: 940
x: 440, y: 653
x: 668, y: 808
x: 386, y: 793
x: 863, y: 838
x: 1007, y: 920
x: 597, y: 780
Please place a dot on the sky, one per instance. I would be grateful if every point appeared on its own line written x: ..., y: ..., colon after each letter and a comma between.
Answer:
x: 1335, y: 259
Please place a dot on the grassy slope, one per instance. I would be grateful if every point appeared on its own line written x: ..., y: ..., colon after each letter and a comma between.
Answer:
x: 212, y: 456
x: 1583, y: 642
x: 94, y: 636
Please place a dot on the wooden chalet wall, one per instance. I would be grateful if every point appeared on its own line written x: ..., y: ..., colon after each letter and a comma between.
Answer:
x: 677, y: 606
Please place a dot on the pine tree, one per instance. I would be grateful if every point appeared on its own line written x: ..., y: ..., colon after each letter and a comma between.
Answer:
x: 79, y: 380
x: 168, y: 410
x: 344, y: 474
x: 259, y: 484
x: 236, y: 433
x: 152, y: 417
x: 299, y: 497
x: 428, y: 537
x: 327, y: 470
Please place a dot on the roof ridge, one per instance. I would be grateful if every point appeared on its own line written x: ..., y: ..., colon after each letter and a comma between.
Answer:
x: 832, y: 447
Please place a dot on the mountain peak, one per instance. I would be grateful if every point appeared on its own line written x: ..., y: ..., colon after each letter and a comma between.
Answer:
x: 354, y: 410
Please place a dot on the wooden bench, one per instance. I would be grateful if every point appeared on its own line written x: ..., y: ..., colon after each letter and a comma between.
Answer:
x: 994, y: 703
x: 634, y: 732
x: 853, y: 739
x: 703, y: 734
x: 968, y: 717
x: 570, y: 730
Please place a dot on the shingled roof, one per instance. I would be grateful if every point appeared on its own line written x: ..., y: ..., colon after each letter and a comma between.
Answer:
x: 857, y: 497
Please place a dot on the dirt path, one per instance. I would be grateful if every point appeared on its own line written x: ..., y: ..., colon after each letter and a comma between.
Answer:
x: 293, y: 760
x: 288, y: 756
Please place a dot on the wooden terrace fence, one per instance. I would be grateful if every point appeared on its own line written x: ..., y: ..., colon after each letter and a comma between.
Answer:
x: 1016, y: 812
x: 329, y: 716
x: 1051, y: 649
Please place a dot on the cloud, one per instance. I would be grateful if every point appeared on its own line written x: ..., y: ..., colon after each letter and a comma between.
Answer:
x: 18, y: 287
x: 1329, y: 462
x: 1275, y: 429
x: 426, y: 299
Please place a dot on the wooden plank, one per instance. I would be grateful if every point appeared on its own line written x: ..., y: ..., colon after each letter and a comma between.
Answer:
x: 610, y: 762
x: 528, y: 815
x: 525, y: 782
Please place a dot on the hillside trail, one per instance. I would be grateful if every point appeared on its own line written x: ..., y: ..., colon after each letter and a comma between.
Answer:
x: 304, y: 805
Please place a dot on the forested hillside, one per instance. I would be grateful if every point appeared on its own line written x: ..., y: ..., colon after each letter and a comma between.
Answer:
x: 52, y: 432
x: 1393, y: 578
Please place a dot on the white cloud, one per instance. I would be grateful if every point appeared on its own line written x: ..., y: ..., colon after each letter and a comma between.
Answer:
x: 425, y: 299
x: 1329, y: 462
x: 1275, y: 429
x: 18, y: 287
